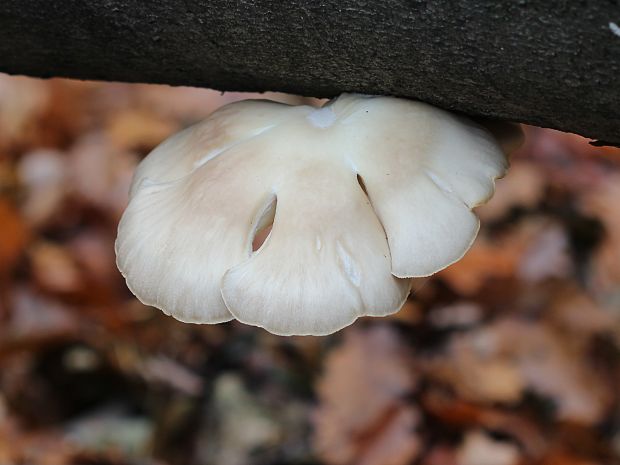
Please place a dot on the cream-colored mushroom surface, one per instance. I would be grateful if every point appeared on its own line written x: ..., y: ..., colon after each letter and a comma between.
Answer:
x: 367, y: 192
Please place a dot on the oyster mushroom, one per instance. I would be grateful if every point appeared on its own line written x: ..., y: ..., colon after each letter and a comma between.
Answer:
x: 362, y: 194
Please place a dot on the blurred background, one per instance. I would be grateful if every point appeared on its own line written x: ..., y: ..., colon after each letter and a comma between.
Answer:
x: 508, y: 357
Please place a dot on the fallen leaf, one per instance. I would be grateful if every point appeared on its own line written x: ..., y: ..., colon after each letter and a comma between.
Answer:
x: 166, y: 371
x: 487, y: 259
x: 514, y: 254
x: 243, y: 425
x: 362, y: 417
x: 547, y: 256
x: 602, y: 203
x: 523, y: 186
x: 36, y: 317
x: 92, y: 250
x: 563, y: 458
x: 100, y: 173
x: 440, y: 455
x: 54, y: 268
x: 43, y: 174
x: 460, y: 314
x: 14, y: 236
x: 496, y: 363
x: 22, y: 101
x: 136, y: 129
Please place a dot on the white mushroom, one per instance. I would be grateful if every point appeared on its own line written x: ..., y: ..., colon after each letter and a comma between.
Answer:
x: 364, y: 193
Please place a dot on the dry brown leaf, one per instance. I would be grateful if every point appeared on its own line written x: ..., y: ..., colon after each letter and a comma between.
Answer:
x: 475, y: 373
x: 42, y: 113
x: 242, y: 425
x: 440, y: 455
x: 92, y: 250
x: 516, y: 254
x: 135, y: 129
x: 36, y: 318
x: 184, y: 104
x: 22, y: 102
x: 168, y: 372
x: 101, y: 174
x: 190, y: 104
x: 602, y: 203
x: 552, y: 366
x: 577, y: 313
x: 43, y: 175
x: 54, y: 268
x: 460, y: 314
x: 523, y: 187
x: 410, y: 313
x: 568, y: 161
x: 489, y: 258
x: 485, y: 260
x: 562, y: 458
x: 47, y: 448
x: 454, y: 412
x: 497, y: 362
x: 14, y: 236
x: 547, y: 256
x: 362, y: 418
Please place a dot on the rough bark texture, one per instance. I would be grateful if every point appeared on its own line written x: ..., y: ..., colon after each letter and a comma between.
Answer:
x: 548, y: 63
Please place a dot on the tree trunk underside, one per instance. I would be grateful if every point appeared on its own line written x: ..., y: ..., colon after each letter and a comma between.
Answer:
x: 547, y: 63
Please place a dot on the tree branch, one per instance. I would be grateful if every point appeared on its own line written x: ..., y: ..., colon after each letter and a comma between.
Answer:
x: 542, y: 62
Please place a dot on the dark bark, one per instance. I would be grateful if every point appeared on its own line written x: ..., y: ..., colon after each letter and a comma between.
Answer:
x: 548, y: 63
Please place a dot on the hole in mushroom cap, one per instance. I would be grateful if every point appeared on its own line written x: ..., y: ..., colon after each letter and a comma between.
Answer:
x: 360, y: 181
x: 260, y: 237
x: 264, y: 225
x: 362, y: 184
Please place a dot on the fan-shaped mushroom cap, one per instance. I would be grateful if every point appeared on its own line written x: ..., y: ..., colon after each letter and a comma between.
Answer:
x: 366, y: 192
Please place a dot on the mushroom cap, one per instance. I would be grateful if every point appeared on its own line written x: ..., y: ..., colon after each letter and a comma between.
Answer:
x: 364, y: 193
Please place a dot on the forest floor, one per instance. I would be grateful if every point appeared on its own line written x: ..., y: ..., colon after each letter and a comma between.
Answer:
x: 509, y: 357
